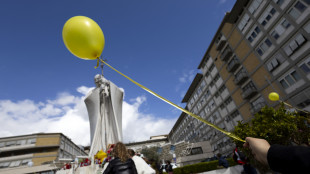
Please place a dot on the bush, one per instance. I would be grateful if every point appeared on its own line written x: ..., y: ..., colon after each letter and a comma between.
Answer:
x: 201, y: 167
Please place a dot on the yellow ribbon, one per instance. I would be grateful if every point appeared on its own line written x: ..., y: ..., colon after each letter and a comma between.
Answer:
x: 176, y: 106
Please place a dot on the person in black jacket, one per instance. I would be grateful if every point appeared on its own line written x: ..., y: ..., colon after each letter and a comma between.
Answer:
x: 168, y: 167
x: 121, y: 164
x: 284, y: 159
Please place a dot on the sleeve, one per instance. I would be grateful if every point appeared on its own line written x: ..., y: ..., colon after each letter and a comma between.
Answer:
x: 289, y: 159
x: 134, y: 167
x: 108, y: 169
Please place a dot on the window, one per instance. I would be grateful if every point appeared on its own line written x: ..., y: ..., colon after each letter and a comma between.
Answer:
x: 304, y: 104
x: 297, y: 10
x: 295, y: 44
x: 275, y: 62
x: 305, y: 66
x: 216, y: 78
x: 267, y: 15
x: 234, y: 114
x: 20, y: 142
x: 211, y: 67
x: 207, y: 94
x: 1, y: 144
x: 25, y: 162
x: 307, y: 1
x: 279, y: 2
x: 31, y: 141
x: 222, y: 106
x: 253, y: 35
x: 250, y: 85
x: 222, y: 89
x: 243, y: 22
x: 290, y: 79
x: 10, y: 143
x: 280, y: 28
x: 254, y: 6
x: 4, y: 164
x: 263, y: 47
x: 307, y: 27
x: 15, y: 163
x: 229, y: 100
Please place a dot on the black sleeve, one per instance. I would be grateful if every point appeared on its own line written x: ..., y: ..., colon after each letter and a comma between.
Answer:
x: 108, y: 169
x: 134, y: 167
x: 289, y: 159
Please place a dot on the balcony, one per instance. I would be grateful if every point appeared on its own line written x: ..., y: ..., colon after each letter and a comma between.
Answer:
x: 226, y: 54
x: 257, y: 107
x: 221, y: 44
x: 249, y: 92
x: 233, y: 65
x: 241, y: 77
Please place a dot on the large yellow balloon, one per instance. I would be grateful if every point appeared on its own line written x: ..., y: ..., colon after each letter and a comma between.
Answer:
x: 273, y: 96
x: 83, y: 37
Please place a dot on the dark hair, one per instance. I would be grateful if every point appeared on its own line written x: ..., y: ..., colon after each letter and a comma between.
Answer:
x: 167, y: 161
x: 219, y: 155
x: 120, y: 151
x: 131, y: 152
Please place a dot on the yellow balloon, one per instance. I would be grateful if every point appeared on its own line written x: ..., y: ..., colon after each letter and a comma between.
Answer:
x: 101, y: 155
x: 83, y: 37
x: 273, y: 96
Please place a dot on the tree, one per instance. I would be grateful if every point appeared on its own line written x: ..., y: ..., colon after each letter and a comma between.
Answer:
x: 277, y: 126
x: 150, y: 153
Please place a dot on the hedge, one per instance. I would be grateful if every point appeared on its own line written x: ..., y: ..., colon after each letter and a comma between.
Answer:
x: 201, y: 167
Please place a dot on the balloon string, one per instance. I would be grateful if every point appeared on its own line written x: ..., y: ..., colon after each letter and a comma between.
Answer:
x: 176, y: 106
x: 294, y: 107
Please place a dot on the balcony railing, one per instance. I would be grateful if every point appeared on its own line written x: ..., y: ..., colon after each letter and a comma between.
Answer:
x: 233, y: 65
x: 226, y: 54
x: 249, y: 92
x: 257, y: 107
x: 240, y: 77
x: 221, y: 44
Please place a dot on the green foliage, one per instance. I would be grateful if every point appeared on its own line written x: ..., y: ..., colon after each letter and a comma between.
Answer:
x: 277, y: 126
x: 201, y: 167
x: 150, y: 153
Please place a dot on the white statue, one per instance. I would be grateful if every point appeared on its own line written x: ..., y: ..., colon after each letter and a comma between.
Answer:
x: 104, y: 106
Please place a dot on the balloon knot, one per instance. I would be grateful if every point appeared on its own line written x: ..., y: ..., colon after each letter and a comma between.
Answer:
x: 97, y: 63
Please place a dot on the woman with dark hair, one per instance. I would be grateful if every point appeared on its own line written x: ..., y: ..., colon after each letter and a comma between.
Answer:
x: 121, y: 164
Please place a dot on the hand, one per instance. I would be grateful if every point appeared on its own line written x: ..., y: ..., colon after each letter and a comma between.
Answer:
x: 259, y: 148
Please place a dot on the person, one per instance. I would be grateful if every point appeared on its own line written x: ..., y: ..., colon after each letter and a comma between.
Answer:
x: 284, y: 159
x: 122, y: 163
x: 241, y: 159
x: 161, y: 168
x: 168, y: 167
x: 141, y: 166
x: 222, y: 161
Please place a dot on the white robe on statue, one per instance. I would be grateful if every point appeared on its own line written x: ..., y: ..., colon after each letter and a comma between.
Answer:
x: 104, y: 106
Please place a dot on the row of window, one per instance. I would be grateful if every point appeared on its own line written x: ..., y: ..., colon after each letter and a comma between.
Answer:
x: 15, y: 163
x: 18, y: 142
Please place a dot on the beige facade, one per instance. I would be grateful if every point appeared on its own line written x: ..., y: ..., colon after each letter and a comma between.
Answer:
x: 260, y: 47
x: 29, y: 152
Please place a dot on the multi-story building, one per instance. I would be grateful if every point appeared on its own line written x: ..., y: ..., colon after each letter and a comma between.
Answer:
x: 261, y: 46
x: 35, y: 152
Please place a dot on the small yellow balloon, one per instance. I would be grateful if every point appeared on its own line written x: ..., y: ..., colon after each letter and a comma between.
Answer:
x: 273, y: 96
x: 83, y: 37
x: 101, y: 155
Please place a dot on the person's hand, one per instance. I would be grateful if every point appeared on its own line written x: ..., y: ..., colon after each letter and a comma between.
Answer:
x: 259, y: 148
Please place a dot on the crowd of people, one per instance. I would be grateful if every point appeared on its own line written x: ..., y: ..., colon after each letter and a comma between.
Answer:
x: 125, y: 161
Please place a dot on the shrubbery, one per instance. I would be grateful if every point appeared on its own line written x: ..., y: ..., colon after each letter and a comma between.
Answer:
x: 201, y: 167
